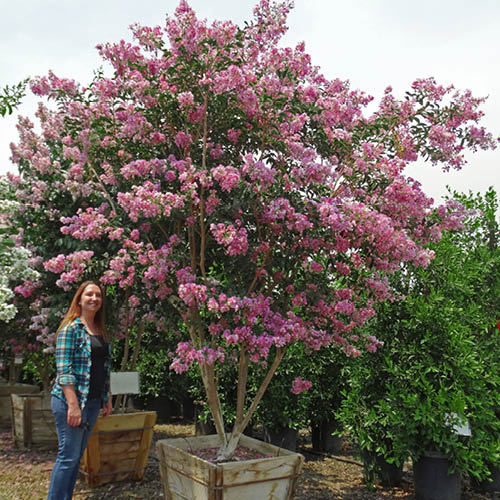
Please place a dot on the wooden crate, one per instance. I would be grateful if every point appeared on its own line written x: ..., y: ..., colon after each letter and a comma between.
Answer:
x: 188, y: 477
x: 5, y: 406
x: 118, y: 448
x: 33, y: 424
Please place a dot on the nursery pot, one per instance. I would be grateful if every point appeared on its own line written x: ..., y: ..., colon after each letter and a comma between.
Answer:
x: 118, y: 448
x: 188, y: 477
x: 5, y: 405
x: 33, y: 424
x: 322, y: 436
x: 489, y: 485
x: 283, y: 437
x: 432, y: 479
x: 385, y: 473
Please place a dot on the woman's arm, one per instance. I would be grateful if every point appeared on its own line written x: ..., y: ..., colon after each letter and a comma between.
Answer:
x: 65, y: 346
x: 74, y: 413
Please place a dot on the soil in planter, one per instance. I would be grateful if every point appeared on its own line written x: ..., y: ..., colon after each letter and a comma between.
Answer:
x: 240, y: 454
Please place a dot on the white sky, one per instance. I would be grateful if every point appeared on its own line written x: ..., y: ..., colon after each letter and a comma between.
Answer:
x: 372, y: 43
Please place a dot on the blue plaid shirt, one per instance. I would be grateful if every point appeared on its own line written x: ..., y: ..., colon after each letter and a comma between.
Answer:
x: 73, y: 361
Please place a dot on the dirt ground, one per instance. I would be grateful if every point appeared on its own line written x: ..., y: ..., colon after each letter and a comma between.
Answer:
x: 24, y: 474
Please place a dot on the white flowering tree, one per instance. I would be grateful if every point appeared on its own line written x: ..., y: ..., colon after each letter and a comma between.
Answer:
x: 16, y: 266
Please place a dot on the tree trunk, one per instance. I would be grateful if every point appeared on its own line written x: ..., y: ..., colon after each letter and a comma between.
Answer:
x: 229, y: 446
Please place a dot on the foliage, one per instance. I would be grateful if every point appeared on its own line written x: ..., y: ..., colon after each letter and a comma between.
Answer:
x: 11, y: 96
x: 438, y: 365
x: 228, y: 191
x: 328, y: 371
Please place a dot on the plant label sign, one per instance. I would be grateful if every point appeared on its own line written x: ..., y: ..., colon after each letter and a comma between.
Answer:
x: 124, y: 383
x: 460, y: 424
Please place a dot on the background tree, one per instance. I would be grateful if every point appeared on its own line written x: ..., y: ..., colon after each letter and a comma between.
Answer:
x: 438, y: 367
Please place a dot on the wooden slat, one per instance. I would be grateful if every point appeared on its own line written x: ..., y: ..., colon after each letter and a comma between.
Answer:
x: 121, y: 435
x: 27, y: 422
x: 120, y: 449
x: 185, y: 476
x: 92, y: 455
x: 186, y: 463
x: 115, y: 449
x: 160, y: 452
x: 145, y: 445
x: 33, y: 423
x: 124, y: 422
x: 123, y: 464
x: 5, y: 401
x: 264, y: 448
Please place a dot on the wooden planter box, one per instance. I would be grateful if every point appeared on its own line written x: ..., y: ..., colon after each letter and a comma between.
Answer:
x: 5, y: 406
x: 188, y: 477
x: 33, y: 424
x: 118, y: 448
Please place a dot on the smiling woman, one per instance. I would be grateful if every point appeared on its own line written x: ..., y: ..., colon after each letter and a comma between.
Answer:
x: 82, y: 384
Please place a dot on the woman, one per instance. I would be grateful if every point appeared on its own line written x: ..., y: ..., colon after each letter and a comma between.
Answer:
x: 82, y: 384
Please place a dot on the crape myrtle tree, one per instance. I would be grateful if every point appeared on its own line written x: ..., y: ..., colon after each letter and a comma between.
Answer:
x: 230, y: 192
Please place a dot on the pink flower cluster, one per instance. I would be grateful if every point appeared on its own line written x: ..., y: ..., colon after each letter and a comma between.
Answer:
x: 85, y: 225
x: 234, y: 239
x: 227, y: 177
x: 186, y: 355
x: 149, y: 201
x: 70, y: 267
x: 299, y: 385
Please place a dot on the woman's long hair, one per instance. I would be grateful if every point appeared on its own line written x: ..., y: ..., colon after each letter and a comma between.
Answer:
x: 75, y: 310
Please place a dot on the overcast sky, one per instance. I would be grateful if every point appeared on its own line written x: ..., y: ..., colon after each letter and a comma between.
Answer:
x: 372, y: 43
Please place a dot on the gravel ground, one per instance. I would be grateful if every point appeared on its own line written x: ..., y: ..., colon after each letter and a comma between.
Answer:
x: 24, y: 474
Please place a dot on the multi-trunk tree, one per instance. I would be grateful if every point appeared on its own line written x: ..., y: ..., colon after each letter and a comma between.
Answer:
x: 227, y: 190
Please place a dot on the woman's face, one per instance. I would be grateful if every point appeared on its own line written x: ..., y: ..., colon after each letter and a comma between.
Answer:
x: 91, y: 299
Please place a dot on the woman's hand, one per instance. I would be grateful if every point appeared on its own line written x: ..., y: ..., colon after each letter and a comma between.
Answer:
x: 106, y: 410
x: 74, y: 415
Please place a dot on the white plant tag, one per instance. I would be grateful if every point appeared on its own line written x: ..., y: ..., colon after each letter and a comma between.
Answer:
x: 124, y: 383
x: 461, y: 427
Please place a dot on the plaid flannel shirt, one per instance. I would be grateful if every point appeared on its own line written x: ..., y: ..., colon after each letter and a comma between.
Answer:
x: 73, y: 361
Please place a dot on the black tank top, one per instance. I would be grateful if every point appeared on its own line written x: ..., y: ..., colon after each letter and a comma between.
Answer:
x: 99, y: 352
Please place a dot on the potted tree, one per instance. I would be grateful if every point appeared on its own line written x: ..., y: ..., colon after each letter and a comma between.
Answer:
x: 242, y: 199
x: 437, y: 372
x: 328, y: 372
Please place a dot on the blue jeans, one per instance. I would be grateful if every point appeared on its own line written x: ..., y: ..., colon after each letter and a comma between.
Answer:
x: 72, y: 444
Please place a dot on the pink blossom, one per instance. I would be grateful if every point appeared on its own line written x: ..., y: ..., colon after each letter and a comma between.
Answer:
x: 183, y: 140
x: 227, y: 177
x: 185, y: 99
x: 234, y: 240
x: 299, y: 385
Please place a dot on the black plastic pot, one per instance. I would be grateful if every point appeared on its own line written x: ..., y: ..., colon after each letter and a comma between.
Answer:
x: 378, y: 470
x: 284, y: 437
x: 486, y: 486
x: 432, y: 478
x: 322, y: 437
